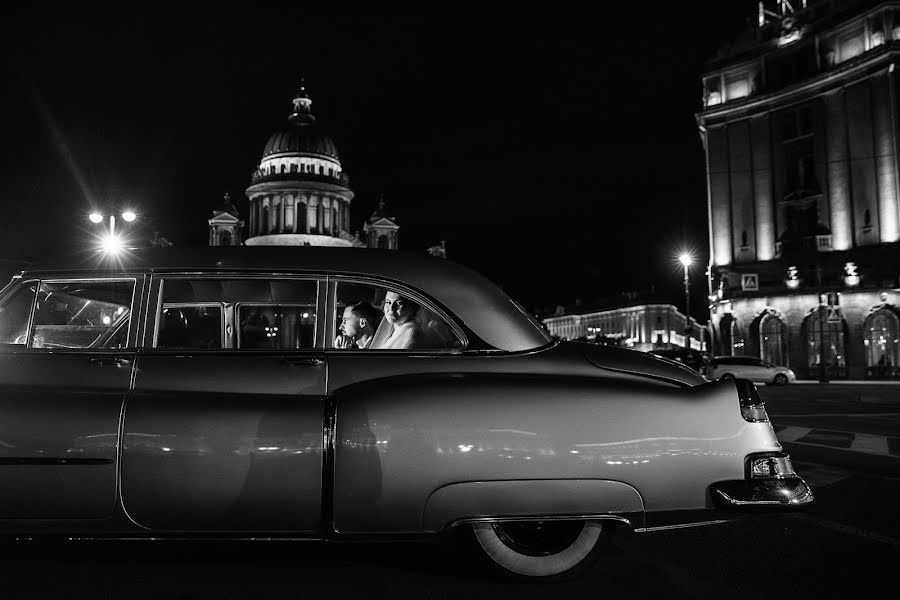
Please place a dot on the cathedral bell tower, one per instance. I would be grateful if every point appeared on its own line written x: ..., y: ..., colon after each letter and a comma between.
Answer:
x: 381, y: 230
x: 226, y: 227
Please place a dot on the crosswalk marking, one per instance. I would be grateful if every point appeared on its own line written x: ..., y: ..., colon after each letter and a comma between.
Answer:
x: 865, y: 442
x: 792, y: 434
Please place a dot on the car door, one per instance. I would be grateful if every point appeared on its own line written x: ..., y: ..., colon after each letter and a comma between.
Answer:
x: 223, y: 430
x: 67, y: 350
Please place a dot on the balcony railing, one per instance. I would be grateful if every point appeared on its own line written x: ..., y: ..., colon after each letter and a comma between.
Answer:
x: 266, y: 176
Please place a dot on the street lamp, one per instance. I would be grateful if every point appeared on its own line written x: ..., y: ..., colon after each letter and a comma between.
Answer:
x: 686, y: 259
x: 111, y: 242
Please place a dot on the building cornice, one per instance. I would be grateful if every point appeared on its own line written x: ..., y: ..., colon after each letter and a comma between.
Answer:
x: 836, y: 77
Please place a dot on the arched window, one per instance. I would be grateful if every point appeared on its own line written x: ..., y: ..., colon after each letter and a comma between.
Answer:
x: 882, y: 331
x: 773, y: 340
x: 825, y: 341
x: 737, y: 338
x: 382, y: 241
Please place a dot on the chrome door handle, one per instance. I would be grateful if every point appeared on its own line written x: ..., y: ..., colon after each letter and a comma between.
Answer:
x: 111, y: 361
x: 303, y: 362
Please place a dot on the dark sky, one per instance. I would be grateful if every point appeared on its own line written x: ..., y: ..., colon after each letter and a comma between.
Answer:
x: 555, y: 151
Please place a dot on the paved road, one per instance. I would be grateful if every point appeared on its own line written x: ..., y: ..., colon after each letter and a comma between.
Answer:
x: 853, y: 425
x: 846, y: 545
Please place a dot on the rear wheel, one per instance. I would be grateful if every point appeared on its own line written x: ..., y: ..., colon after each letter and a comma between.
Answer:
x: 543, y: 550
x: 781, y: 379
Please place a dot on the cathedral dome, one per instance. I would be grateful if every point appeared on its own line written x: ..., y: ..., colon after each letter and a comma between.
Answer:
x: 301, y: 139
x: 302, y: 135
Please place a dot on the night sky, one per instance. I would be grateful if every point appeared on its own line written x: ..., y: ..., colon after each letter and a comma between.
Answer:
x: 555, y: 151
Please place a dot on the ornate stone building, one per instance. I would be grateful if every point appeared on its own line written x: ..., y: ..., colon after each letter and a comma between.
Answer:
x: 300, y: 194
x: 800, y: 129
x: 645, y: 327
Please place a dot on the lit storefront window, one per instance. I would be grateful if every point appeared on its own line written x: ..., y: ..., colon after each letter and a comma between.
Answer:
x: 737, y: 339
x: 825, y: 341
x: 772, y: 340
x: 882, y: 330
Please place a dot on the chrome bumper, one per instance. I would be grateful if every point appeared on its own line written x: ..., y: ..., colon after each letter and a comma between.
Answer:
x: 746, y: 493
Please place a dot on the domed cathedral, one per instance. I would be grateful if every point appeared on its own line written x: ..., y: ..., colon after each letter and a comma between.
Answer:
x: 800, y: 129
x: 300, y: 194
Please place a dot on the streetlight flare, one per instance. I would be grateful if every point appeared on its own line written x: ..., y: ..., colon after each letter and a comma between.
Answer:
x: 686, y: 259
x: 95, y: 217
x: 129, y: 216
x: 111, y: 244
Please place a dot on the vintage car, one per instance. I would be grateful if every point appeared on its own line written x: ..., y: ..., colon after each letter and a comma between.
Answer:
x: 341, y: 393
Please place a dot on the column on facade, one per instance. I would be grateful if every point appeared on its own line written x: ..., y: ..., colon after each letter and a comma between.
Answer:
x: 761, y: 160
x: 310, y: 213
x: 270, y: 202
x: 282, y: 208
x: 326, y: 214
x: 251, y: 217
x: 741, y: 191
x: 320, y: 214
x: 885, y: 160
x: 719, y: 195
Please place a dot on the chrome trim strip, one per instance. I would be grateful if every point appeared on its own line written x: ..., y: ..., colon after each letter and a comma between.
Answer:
x: 55, y: 461
x: 579, y: 517
x: 681, y: 526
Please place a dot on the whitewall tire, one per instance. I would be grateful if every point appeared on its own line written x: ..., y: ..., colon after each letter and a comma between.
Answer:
x: 542, y: 549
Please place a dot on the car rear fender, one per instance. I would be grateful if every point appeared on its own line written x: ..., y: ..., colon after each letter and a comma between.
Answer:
x: 498, y: 500
x: 397, y: 440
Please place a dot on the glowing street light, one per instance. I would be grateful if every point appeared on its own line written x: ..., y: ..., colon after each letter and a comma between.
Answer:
x: 686, y: 259
x: 112, y: 243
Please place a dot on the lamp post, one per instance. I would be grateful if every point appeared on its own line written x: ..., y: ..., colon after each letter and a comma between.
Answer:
x: 111, y: 242
x: 686, y: 260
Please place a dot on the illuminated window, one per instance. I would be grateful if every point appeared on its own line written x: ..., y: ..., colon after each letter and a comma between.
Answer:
x: 825, y: 341
x: 737, y: 86
x: 737, y: 339
x: 773, y: 340
x: 882, y: 331
x: 851, y: 44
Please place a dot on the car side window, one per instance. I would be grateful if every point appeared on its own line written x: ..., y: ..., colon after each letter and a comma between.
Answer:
x: 82, y: 314
x: 186, y: 326
x: 237, y: 313
x: 14, y: 315
x: 381, y: 317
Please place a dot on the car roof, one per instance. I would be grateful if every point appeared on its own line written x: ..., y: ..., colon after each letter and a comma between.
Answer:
x: 488, y: 311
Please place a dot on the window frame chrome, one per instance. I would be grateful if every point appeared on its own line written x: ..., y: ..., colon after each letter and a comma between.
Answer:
x: 423, y: 299
x: 156, y: 291
x: 137, y: 280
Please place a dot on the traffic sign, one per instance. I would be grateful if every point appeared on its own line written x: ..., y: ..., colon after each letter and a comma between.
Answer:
x: 834, y: 314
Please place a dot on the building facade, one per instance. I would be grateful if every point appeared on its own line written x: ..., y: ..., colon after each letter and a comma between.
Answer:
x: 300, y: 194
x: 800, y: 131
x: 644, y: 327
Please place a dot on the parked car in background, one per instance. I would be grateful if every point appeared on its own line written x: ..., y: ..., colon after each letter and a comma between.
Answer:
x: 253, y: 392
x: 749, y: 367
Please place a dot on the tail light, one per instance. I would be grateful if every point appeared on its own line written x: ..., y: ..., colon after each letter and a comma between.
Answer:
x: 753, y: 409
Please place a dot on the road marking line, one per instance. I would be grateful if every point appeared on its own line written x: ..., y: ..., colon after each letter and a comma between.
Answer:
x: 791, y: 415
x: 870, y: 443
x: 849, y: 529
x: 791, y: 434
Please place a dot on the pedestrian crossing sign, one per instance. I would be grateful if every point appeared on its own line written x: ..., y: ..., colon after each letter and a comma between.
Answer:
x: 749, y: 281
x: 834, y: 314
